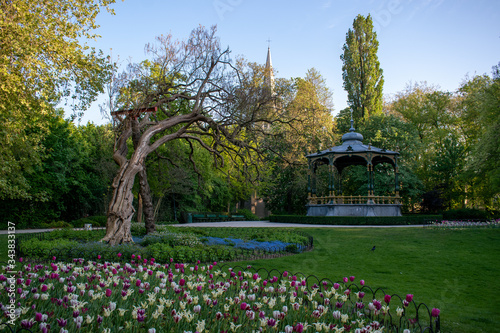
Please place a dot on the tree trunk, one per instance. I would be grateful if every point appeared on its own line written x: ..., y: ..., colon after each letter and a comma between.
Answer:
x: 144, y: 189
x: 147, y: 202
x: 121, y: 207
x: 139, y: 208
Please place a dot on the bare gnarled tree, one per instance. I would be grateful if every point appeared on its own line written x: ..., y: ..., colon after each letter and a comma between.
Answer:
x: 192, y: 91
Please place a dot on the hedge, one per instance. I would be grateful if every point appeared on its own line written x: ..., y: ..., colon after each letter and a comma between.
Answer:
x: 357, y: 220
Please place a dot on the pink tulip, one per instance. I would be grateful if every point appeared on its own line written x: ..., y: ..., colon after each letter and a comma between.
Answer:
x: 435, y: 312
x: 387, y: 299
x: 108, y: 292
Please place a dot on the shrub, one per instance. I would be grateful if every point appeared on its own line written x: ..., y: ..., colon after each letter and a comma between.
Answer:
x: 77, y: 235
x: 54, y: 224
x: 36, y: 248
x: 171, y: 239
x: 139, y: 229
x: 99, y: 220
x: 249, y: 216
x: 355, y: 220
x: 464, y: 214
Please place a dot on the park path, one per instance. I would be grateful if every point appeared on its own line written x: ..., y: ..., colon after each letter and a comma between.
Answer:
x: 247, y: 224
x: 260, y: 224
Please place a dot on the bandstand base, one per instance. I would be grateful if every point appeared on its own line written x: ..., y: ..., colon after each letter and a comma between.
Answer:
x: 354, y: 210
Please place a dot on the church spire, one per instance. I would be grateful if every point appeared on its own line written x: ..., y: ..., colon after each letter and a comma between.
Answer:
x: 269, y: 70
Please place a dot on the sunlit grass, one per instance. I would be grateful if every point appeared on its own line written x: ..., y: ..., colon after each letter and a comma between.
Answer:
x: 456, y: 271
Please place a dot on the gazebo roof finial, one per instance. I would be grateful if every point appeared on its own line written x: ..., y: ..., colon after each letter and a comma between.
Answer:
x: 352, y: 129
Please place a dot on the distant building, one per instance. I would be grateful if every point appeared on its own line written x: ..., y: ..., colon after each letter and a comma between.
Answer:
x: 255, y: 203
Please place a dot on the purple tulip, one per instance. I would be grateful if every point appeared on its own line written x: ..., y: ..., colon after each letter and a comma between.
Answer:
x: 61, y: 322
x: 435, y: 312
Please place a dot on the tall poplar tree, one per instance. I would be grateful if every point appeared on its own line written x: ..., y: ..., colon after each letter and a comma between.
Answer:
x: 361, y: 72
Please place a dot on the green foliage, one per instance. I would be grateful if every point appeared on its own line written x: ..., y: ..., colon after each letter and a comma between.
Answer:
x: 76, y: 235
x: 258, y: 234
x: 58, y: 224
x: 356, y: 220
x: 96, y: 221
x: 172, y: 239
x: 464, y: 214
x: 43, y: 60
x: 249, y: 216
x: 361, y: 72
x: 35, y: 248
x: 73, y: 177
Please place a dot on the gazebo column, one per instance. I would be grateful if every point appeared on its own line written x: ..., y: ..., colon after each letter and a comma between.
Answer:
x: 331, y: 185
x: 339, y: 186
x: 369, y: 171
x: 396, y: 180
x: 310, y: 185
x: 313, y: 182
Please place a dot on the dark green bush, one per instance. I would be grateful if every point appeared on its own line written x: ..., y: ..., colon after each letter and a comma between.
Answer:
x: 249, y: 216
x: 36, y: 248
x: 355, y: 220
x: 53, y: 225
x: 77, y: 235
x: 98, y: 220
x: 465, y: 213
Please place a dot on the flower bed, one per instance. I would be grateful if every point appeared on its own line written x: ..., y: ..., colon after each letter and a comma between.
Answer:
x: 144, y: 296
x: 466, y: 224
x: 183, y: 246
x: 272, y: 246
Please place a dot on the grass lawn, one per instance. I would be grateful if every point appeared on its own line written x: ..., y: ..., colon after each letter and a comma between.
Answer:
x: 456, y: 271
x: 453, y: 270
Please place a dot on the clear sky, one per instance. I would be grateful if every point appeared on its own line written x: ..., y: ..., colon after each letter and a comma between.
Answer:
x: 437, y: 41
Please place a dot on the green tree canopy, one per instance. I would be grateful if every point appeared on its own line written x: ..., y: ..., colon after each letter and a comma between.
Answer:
x: 361, y: 72
x: 43, y: 59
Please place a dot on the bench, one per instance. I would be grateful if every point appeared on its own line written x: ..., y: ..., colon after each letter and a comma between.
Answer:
x: 194, y: 217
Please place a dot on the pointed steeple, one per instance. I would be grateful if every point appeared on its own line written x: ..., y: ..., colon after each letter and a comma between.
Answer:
x: 269, y: 70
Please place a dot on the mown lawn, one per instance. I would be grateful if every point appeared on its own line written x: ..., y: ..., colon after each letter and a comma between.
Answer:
x: 453, y: 270
x: 456, y: 271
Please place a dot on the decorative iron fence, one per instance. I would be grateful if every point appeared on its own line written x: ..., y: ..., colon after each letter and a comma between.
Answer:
x: 355, y: 200
x: 418, y: 316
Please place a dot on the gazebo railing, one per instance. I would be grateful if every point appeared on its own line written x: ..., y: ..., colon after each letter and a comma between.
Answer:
x: 355, y: 200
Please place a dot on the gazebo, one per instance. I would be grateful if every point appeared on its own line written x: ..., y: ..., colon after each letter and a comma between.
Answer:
x: 352, y: 152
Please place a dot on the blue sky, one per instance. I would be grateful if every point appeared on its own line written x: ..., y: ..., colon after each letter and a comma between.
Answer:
x: 437, y: 41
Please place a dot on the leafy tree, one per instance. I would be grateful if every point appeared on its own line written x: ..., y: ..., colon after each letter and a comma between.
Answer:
x: 479, y: 109
x: 73, y: 177
x: 307, y: 101
x: 438, y: 151
x: 391, y: 132
x: 43, y: 59
x: 361, y: 72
